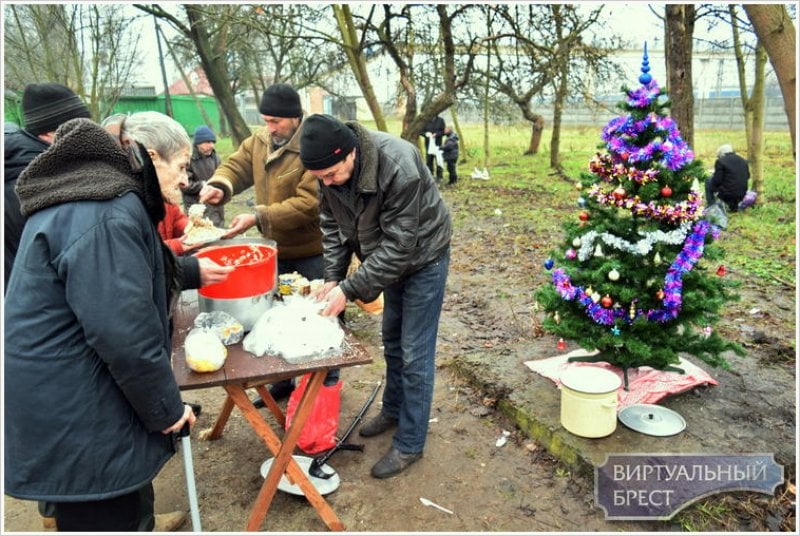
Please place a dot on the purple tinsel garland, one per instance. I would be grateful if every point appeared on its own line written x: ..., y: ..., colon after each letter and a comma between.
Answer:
x: 673, y: 284
x: 642, y: 96
x: 675, y: 153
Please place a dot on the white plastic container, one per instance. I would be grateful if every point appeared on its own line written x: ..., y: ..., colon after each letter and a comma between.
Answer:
x: 589, y: 401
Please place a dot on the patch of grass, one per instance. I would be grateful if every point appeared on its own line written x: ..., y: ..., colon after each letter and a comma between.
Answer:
x: 759, y: 243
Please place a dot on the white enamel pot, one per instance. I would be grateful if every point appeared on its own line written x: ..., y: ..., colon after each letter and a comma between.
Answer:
x: 589, y: 401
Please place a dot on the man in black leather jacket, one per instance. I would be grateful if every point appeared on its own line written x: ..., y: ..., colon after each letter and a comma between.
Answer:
x: 380, y: 202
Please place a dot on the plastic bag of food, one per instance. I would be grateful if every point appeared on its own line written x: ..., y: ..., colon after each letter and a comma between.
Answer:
x: 223, y: 324
x: 204, y: 351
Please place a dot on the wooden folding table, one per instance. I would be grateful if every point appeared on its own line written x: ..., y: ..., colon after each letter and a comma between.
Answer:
x: 242, y: 371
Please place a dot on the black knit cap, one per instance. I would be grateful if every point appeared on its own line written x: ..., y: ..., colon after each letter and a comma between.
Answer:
x: 46, y: 106
x: 325, y: 141
x: 280, y: 100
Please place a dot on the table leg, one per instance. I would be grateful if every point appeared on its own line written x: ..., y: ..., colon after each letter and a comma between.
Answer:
x: 222, y: 419
x: 273, y: 406
x: 284, y: 462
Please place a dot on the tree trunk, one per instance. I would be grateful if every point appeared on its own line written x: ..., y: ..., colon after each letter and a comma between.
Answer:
x: 777, y: 33
x: 755, y: 144
x: 185, y: 78
x: 678, y: 35
x: 558, y: 109
x: 462, y: 145
x: 216, y: 72
x: 358, y: 62
x: 486, y: 150
x: 740, y: 71
x: 537, y: 126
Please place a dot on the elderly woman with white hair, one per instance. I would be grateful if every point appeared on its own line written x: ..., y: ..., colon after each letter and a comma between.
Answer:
x: 91, y: 404
x: 729, y: 181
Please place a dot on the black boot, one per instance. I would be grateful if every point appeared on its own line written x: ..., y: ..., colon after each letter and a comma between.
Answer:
x: 278, y: 391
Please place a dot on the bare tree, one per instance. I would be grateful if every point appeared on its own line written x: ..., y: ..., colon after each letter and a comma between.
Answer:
x: 575, y: 61
x: 521, y: 71
x: 752, y: 102
x: 408, y: 34
x: 678, y: 35
x: 353, y: 47
x: 776, y: 32
x: 89, y: 48
x: 210, y: 38
x: 538, y: 52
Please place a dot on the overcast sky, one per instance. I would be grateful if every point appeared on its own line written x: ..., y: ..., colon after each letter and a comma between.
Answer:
x: 633, y: 21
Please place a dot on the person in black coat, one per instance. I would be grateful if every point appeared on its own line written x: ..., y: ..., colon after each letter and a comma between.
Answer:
x: 87, y: 324
x: 433, y: 130
x: 729, y: 181
x: 450, y: 154
x: 44, y: 108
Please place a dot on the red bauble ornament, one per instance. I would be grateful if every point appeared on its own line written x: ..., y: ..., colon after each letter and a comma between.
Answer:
x: 606, y: 301
x: 583, y: 216
x: 561, y: 345
x: 722, y: 270
x: 666, y: 191
x: 619, y: 193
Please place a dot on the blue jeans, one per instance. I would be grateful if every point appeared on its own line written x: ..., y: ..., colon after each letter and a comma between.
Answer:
x: 411, y: 309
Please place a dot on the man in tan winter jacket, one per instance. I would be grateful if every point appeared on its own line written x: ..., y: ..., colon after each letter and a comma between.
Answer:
x: 287, y: 196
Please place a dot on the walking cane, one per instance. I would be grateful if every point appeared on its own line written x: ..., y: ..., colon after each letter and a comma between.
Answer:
x: 315, y: 469
x: 188, y: 465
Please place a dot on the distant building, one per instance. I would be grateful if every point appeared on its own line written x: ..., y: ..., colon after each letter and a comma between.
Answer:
x: 199, y: 83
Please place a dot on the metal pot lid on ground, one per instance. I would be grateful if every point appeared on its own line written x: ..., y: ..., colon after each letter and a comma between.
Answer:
x: 324, y: 486
x: 652, y: 419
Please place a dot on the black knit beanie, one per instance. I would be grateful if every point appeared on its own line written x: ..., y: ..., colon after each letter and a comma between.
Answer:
x: 280, y: 100
x: 46, y: 106
x: 325, y: 141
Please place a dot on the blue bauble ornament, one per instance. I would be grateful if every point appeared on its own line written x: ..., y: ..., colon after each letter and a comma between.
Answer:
x: 645, y: 77
x: 548, y: 264
x: 581, y: 202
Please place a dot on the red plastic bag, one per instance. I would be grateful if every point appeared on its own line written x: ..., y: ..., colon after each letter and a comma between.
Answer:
x: 319, y: 431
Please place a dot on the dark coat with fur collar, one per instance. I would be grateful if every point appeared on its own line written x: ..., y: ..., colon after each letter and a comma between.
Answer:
x: 88, y: 381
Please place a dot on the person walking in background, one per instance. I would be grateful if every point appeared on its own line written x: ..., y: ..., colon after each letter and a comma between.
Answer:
x: 380, y: 202
x: 450, y: 154
x: 87, y: 324
x: 729, y: 181
x: 205, y: 161
x: 44, y: 108
x: 433, y: 133
x: 287, y: 204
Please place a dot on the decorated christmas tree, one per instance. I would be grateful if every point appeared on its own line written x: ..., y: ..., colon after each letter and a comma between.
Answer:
x: 639, y: 276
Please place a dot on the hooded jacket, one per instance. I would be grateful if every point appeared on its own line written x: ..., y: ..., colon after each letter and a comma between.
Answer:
x: 400, y: 224
x: 287, y: 199
x: 88, y: 381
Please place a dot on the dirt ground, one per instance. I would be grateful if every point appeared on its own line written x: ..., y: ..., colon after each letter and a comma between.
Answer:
x: 487, y: 487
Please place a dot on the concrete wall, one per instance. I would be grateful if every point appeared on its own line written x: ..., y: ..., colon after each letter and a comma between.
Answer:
x: 723, y: 113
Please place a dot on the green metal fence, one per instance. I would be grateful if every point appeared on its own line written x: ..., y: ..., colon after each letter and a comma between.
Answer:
x: 184, y: 109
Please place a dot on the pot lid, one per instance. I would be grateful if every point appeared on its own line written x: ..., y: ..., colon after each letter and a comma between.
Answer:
x: 324, y: 486
x: 590, y: 379
x: 652, y: 419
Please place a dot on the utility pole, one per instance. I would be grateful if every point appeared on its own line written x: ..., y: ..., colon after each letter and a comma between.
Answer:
x: 167, y: 100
